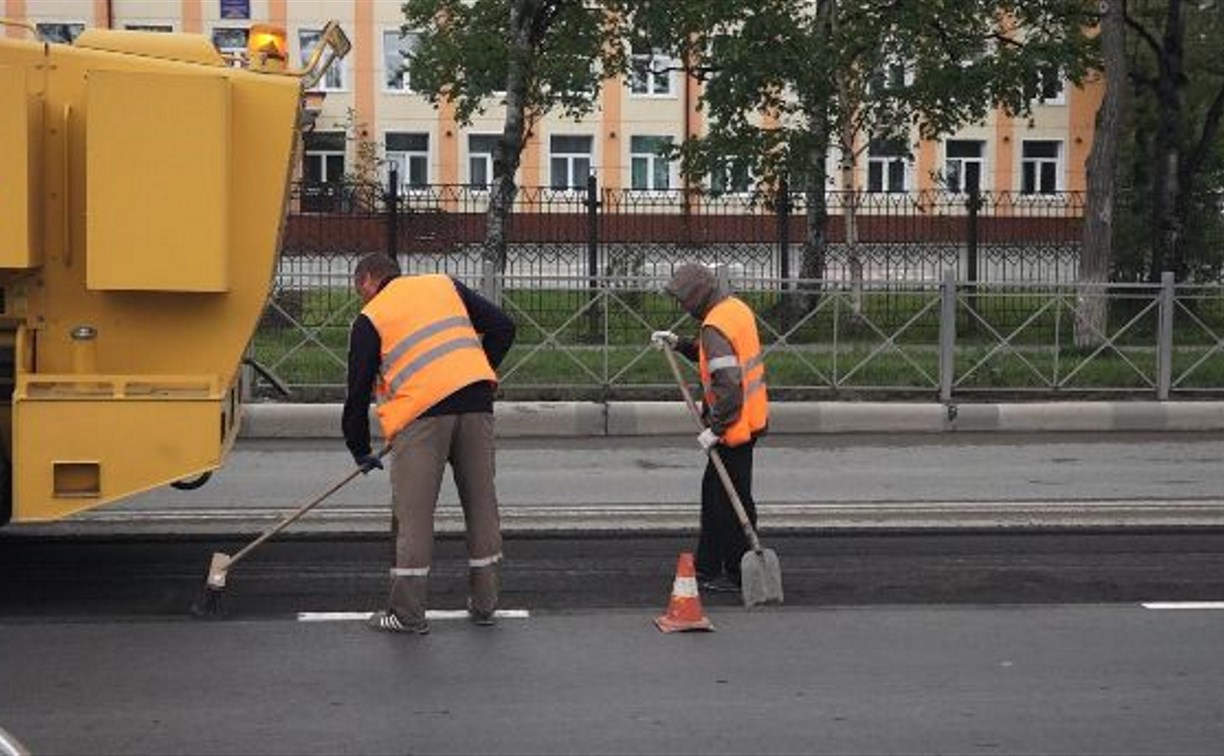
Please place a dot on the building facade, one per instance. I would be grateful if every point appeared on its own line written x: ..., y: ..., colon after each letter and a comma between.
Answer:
x: 370, y: 99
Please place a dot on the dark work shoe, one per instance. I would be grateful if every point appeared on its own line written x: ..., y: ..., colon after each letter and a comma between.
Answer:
x: 720, y: 584
x: 387, y: 621
x: 482, y: 617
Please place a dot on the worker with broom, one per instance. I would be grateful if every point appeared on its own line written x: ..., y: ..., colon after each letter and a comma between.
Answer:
x: 735, y: 412
x: 427, y: 347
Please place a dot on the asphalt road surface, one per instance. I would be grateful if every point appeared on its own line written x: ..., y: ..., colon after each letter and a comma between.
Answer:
x: 991, y: 639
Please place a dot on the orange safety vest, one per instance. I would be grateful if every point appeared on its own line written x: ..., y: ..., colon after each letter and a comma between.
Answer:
x: 735, y: 321
x: 429, y: 348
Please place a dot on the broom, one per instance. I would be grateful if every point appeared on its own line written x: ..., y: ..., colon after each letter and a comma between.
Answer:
x: 208, y: 604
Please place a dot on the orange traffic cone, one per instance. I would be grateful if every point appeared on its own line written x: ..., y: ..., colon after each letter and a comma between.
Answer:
x: 684, y: 610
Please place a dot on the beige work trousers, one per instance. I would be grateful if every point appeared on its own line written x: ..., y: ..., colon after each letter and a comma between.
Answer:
x: 419, y: 454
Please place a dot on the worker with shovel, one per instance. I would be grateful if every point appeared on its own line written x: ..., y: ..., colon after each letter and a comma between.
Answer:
x: 735, y: 412
x: 427, y: 347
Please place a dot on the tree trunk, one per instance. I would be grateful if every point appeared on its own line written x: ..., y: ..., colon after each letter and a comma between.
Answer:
x: 509, y: 150
x: 1166, y: 227
x: 816, y: 242
x: 1092, y: 310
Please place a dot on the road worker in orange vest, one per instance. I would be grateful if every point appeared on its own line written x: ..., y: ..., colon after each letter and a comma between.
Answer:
x: 426, y: 348
x: 735, y: 409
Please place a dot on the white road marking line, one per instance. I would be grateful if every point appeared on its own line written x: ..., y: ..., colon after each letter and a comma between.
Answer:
x: 1184, y: 605
x: 432, y: 614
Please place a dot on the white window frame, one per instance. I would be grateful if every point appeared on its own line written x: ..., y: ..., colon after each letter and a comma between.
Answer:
x: 323, y: 155
x: 1057, y: 98
x: 647, y: 71
x: 653, y: 161
x: 38, y: 25
x: 486, y: 158
x: 1038, y: 162
x: 404, y: 161
x: 884, y: 163
x: 980, y: 161
x: 724, y: 168
x: 233, y: 55
x: 336, y: 78
x: 401, y: 44
x: 572, y: 161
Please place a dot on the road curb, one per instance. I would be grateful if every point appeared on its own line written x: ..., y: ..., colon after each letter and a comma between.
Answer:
x: 594, y: 419
x: 661, y: 519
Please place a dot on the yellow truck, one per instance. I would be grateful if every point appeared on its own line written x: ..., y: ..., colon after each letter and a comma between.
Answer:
x: 143, y: 185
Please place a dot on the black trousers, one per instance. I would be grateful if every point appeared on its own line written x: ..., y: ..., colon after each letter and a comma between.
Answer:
x: 722, y: 542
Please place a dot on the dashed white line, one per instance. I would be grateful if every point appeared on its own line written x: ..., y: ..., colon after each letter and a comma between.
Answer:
x: 432, y: 614
x: 1184, y: 605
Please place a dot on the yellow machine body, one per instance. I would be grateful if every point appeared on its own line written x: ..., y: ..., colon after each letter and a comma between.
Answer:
x: 143, y: 194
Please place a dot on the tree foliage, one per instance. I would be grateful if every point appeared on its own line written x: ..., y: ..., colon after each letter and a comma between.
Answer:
x: 817, y: 69
x: 529, y: 56
x: 1175, y: 148
x: 469, y: 46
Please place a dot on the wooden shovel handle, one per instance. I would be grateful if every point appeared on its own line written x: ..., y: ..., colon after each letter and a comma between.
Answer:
x: 745, y: 523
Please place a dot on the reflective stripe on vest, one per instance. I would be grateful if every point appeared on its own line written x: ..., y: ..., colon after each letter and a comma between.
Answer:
x: 735, y: 321
x: 429, y: 347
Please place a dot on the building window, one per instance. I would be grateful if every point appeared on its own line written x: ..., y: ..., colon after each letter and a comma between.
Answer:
x: 570, y: 161
x: 61, y: 33
x: 397, y: 51
x: 308, y: 40
x: 409, y: 153
x: 731, y: 175
x: 161, y: 28
x: 964, y: 165
x: 886, y: 169
x: 650, y: 73
x: 322, y: 171
x: 1051, y: 88
x: 231, y: 42
x: 480, y: 159
x: 888, y: 77
x: 650, y: 170
x: 323, y: 157
x: 1040, y: 166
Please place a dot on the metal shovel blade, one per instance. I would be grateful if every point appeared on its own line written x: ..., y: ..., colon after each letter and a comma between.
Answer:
x: 760, y: 578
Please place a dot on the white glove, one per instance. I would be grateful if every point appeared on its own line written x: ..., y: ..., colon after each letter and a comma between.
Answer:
x: 661, y: 339
x: 708, y: 439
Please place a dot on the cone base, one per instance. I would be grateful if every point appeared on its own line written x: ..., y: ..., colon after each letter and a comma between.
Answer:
x: 669, y: 625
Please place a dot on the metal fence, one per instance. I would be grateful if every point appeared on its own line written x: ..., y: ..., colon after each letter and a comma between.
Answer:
x: 587, y: 338
x: 903, y: 237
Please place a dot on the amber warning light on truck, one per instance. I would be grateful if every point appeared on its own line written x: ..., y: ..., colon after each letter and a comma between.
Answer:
x: 266, y: 49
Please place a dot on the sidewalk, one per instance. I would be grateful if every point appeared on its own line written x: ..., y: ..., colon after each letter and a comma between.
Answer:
x: 594, y: 419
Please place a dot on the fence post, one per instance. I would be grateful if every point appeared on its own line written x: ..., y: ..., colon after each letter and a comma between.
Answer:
x: 592, y: 208
x: 947, y: 335
x: 973, y: 204
x: 1164, y: 338
x: 392, y: 209
x: 490, y: 283
x: 784, y: 211
x: 592, y: 211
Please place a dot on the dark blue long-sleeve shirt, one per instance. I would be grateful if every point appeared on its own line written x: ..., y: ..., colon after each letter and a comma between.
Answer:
x: 496, y: 330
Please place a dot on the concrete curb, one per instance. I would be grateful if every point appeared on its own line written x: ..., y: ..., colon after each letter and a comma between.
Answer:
x: 595, y: 419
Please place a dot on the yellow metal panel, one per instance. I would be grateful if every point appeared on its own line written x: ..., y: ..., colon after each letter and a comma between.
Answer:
x: 20, y: 245
x: 157, y: 181
x: 74, y: 455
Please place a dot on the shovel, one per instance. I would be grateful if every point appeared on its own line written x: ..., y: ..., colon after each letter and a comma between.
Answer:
x: 760, y: 573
